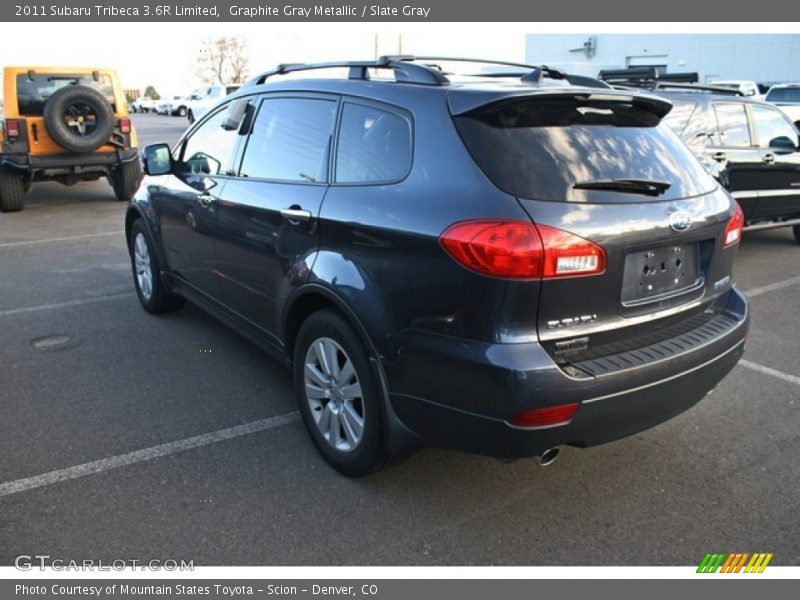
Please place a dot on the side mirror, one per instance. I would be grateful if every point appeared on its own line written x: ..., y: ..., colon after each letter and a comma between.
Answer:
x: 157, y: 159
x: 784, y: 143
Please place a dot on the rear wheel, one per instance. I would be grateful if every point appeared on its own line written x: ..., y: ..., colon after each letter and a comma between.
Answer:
x: 338, y: 395
x: 12, y: 191
x: 182, y: 111
x: 190, y: 116
x: 125, y: 179
x: 796, y: 231
x: 147, y: 274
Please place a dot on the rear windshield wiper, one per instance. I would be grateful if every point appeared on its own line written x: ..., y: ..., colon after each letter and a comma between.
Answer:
x: 648, y: 187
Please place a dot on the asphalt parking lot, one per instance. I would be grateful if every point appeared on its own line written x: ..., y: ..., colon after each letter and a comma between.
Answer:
x: 125, y: 435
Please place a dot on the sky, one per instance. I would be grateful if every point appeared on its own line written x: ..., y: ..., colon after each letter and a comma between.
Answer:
x: 165, y: 54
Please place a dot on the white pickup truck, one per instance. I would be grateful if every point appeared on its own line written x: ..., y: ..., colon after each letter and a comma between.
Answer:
x: 208, y: 97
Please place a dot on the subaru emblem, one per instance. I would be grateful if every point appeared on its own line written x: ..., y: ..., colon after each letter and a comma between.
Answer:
x: 680, y: 221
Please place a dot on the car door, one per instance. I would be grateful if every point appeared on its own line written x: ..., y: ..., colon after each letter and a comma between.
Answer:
x: 268, y: 215
x: 734, y: 149
x: 186, y: 201
x: 777, y: 141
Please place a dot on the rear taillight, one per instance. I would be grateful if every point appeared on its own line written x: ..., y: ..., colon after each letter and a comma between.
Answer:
x: 733, y: 231
x: 124, y: 125
x: 12, y: 130
x: 522, y: 250
x: 550, y: 416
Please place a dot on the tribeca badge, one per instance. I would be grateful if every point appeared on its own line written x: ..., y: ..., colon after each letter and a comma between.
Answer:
x: 735, y: 562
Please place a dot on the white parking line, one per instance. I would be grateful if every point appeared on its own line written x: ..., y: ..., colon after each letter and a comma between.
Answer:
x: 772, y: 287
x: 770, y: 371
x: 29, y: 309
x: 61, y: 239
x: 137, y: 456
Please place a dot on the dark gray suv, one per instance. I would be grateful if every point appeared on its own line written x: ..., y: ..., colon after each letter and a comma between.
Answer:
x: 502, y: 263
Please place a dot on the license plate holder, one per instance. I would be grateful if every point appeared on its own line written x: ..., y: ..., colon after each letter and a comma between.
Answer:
x: 659, y: 273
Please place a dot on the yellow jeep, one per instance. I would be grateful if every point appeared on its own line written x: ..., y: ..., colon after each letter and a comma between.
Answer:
x: 66, y: 125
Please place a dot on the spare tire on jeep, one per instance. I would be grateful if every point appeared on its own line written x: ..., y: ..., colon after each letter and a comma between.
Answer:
x: 78, y: 118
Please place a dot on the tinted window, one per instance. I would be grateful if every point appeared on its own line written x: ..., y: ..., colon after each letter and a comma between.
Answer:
x: 541, y: 148
x: 772, y: 128
x: 231, y: 88
x: 783, y: 95
x: 290, y: 139
x: 210, y: 148
x: 679, y: 116
x: 374, y: 146
x: 732, y: 121
x: 33, y: 92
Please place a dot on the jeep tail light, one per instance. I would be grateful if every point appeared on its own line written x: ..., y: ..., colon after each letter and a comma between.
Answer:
x: 12, y: 130
x: 733, y: 231
x: 550, y: 416
x: 522, y: 250
x: 124, y: 125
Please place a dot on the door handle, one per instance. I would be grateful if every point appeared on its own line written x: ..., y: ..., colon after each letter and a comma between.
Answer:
x: 206, y: 199
x: 296, y: 214
x: 768, y: 159
x: 719, y: 156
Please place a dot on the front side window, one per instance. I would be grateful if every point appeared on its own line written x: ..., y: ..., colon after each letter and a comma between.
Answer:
x: 772, y: 129
x: 209, y: 150
x: 290, y: 140
x: 374, y: 146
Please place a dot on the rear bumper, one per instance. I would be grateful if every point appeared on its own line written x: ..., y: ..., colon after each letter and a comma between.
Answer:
x: 25, y: 162
x: 459, y: 395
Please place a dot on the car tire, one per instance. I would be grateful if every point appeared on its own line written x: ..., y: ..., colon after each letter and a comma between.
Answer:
x: 190, y: 116
x: 125, y: 180
x: 796, y: 231
x: 181, y: 111
x: 147, y: 274
x: 79, y: 102
x: 12, y: 191
x: 337, y: 394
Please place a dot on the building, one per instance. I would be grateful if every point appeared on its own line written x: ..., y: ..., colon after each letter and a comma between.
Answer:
x: 762, y: 58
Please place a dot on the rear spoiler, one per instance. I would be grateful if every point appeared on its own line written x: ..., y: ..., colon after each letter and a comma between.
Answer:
x: 462, y: 102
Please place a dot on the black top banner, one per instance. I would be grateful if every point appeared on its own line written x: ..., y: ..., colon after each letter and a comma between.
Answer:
x: 397, y: 11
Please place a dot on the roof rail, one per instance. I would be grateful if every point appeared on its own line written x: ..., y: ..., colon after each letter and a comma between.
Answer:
x: 696, y: 87
x: 404, y: 70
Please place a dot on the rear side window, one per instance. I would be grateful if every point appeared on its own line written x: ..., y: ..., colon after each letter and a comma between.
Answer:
x: 374, y: 146
x: 541, y: 148
x: 772, y: 128
x: 733, y: 129
x: 33, y: 91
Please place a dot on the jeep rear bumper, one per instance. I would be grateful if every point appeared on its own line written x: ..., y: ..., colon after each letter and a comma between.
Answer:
x: 72, y: 162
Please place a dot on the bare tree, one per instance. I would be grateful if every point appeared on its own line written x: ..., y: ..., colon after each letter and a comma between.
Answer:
x: 223, y: 60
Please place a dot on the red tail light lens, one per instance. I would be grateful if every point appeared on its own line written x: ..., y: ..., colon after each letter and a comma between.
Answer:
x: 124, y: 125
x: 550, y: 416
x: 522, y: 250
x: 12, y: 130
x: 733, y: 231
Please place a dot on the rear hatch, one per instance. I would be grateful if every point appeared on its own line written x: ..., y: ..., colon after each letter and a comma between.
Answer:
x: 638, y: 225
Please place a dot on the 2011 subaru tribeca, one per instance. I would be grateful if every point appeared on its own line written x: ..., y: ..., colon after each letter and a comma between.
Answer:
x: 499, y: 264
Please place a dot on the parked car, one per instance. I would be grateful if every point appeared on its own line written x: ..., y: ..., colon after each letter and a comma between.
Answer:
x: 497, y: 265
x: 143, y: 104
x: 206, y: 98
x: 64, y: 125
x: 744, y: 86
x: 786, y: 97
x: 174, y: 105
x: 755, y: 146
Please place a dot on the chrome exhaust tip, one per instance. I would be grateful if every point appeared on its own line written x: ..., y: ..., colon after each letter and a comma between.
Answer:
x: 548, y: 457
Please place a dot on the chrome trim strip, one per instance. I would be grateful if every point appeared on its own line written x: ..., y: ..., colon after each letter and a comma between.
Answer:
x: 764, y: 193
x: 771, y: 224
x: 665, y: 380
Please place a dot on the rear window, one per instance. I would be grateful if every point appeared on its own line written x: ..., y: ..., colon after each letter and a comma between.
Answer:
x: 783, y: 95
x: 33, y: 91
x: 541, y: 148
x: 679, y: 116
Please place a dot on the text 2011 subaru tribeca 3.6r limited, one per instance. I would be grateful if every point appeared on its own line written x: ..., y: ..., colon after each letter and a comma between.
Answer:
x: 497, y: 265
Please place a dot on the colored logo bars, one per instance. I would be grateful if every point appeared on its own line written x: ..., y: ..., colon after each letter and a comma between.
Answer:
x: 735, y: 562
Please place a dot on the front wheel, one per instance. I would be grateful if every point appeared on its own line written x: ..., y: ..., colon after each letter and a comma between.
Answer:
x: 796, y: 231
x: 338, y: 394
x: 147, y: 274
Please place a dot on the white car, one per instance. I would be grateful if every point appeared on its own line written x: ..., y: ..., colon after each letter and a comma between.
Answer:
x: 208, y: 97
x: 143, y: 104
x: 174, y: 105
x: 786, y: 96
x: 745, y: 86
